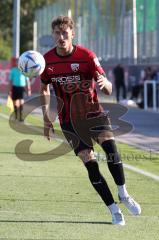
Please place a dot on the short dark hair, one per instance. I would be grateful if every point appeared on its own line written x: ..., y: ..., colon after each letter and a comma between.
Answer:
x: 62, y: 22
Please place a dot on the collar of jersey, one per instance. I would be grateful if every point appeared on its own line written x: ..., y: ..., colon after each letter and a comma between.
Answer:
x: 74, y: 48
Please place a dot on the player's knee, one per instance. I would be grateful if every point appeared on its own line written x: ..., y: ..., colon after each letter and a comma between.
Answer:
x: 105, y: 136
x: 86, y: 155
x: 110, y: 149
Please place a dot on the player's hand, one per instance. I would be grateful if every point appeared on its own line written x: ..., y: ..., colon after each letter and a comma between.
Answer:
x: 101, y: 80
x: 103, y: 83
x: 48, y: 129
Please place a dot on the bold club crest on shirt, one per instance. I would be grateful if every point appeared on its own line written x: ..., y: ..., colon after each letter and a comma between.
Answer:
x: 75, y: 67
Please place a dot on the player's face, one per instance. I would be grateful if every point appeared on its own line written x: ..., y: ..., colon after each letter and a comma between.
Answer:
x: 63, y: 37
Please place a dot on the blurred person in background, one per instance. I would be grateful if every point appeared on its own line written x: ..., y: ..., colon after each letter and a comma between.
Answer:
x: 136, y: 86
x: 150, y: 74
x: 119, y: 82
x: 18, y: 84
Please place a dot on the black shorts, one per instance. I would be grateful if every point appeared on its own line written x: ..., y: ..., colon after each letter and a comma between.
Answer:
x: 17, y: 92
x: 80, y: 134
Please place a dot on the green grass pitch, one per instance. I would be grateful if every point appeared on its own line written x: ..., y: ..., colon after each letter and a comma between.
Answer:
x: 53, y: 199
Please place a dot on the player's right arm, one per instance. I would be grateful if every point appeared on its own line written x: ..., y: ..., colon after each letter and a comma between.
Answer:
x: 99, y: 75
x: 104, y: 84
x: 10, y: 85
x: 28, y: 86
x: 45, y: 103
x: 10, y: 88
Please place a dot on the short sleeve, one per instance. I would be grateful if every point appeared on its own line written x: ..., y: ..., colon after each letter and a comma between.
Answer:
x: 44, y: 78
x: 95, y: 65
x: 10, y: 75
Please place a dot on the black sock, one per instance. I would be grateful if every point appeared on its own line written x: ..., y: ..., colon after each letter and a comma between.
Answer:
x: 114, y: 162
x: 99, y: 182
x: 21, y: 113
x: 15, y: 111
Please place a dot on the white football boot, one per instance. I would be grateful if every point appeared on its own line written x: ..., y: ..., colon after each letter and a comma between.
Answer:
x: 118, y: 219
x: 132, y: 206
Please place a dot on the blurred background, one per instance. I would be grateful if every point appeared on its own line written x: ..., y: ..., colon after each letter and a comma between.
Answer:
x: 107, y: 27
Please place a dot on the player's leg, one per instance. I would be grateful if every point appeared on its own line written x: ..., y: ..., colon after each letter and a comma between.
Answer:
x: 100, y: 185
x: 117, y: 92
x: 15, y: 101
x: 86, y: 153
x: 107, y: 142
x: 15, y: 109
x: 21, y: 109
x: 124, y: 91
x: 21, y: 103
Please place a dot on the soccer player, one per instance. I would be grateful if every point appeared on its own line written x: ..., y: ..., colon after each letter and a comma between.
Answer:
x: 18, y: 83
x: 74, y: 72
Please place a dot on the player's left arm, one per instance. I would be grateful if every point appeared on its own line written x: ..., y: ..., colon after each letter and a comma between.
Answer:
x: 99, y: 75
x: 45, y: 102
x: 104, y: 84
x: 10, y: 84
x: 28, y: 86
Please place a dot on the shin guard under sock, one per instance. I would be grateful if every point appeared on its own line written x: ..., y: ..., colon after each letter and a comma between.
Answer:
x: 99, y: 182
x: 114, y: 162
x: 15, y: 111
x: 21, y: 113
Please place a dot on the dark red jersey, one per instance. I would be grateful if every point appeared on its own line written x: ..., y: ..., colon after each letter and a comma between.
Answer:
x: 72, y: 77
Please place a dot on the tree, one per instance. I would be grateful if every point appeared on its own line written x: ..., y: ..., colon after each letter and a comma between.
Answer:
x: 27, y: 16
x: 6, y: 29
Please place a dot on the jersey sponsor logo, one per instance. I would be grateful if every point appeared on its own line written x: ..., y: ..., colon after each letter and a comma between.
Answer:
x: 50, y: 70
x: 96, y: 61
x: 66, y: 79
x: 83, y: 86
x: 75, y: 67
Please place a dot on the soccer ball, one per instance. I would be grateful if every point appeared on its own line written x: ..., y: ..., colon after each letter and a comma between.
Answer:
x: 31, y: 63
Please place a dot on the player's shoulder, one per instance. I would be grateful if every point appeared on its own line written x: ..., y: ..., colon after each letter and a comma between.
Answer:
x: 85, y: 51
x: 13, y: 69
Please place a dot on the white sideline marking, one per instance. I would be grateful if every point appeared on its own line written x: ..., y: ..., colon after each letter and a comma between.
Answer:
x: 140, y: 171
x: 129, y: 167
